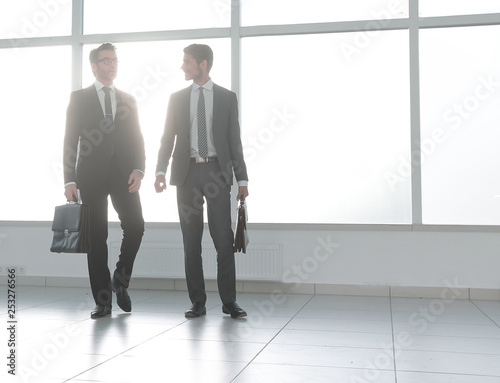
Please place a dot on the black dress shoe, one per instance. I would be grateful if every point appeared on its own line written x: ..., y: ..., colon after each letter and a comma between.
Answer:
x: 197, y: 310
x: 100, y: 311
x: 233, y: 309
x: 122, y: 297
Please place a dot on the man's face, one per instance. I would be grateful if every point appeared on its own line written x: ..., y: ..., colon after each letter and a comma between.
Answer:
x: 106, y: 67
x: 192, y: 71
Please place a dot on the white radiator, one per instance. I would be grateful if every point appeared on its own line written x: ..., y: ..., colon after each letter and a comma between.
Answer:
x: 262, y: 262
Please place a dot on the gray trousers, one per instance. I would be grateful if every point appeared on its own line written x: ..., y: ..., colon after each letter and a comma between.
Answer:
x: 205, y: 183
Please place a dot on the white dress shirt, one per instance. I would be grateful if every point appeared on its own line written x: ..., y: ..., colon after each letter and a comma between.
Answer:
x: 208, y: 94
x: 100, y: 93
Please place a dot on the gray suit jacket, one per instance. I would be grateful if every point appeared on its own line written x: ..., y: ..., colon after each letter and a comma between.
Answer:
x: 225, y: 130
x: 88, y: 135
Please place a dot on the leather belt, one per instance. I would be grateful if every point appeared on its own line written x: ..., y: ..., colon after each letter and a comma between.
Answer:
x: 201, y: 160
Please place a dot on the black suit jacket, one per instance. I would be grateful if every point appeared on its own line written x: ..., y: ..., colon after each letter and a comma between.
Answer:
x: 89, y: 134
x: 225, y: 130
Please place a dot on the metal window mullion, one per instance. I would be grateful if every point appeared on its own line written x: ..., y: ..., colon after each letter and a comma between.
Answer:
x: 235, y: 46
x: 76, y: 44
x: 415, y: 154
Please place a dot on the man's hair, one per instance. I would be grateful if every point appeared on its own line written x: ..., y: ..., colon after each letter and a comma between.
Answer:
x: 201, y: 52
x: 94, y: 53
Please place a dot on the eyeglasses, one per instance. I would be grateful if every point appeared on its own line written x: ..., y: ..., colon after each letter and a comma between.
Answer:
x: 108, y: 61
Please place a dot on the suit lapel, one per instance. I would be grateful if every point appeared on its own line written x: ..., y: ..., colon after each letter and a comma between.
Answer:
x: 185, y: 100
x: 215, y: 110
x: 121, y: 105
x: 93, y: 100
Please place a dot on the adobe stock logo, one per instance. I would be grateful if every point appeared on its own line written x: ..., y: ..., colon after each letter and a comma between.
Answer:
x: 364, y: 38
x: 151, y: 81
x: 37, y: 21
x: 222, y: 7
x: 295, y: 276
x: 454, y: 117
x: 279, y: 122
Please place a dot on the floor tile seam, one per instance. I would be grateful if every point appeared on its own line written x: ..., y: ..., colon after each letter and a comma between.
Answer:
x: 344, y: 319
x: 274, y: 337
x: 336, y: 331
x: 447, y: 373
x: 340, y: 331
x: 46, y: 303
x: 437, y: 326
x: 257, y: 328
x: 449, y: 352
x: 323, y: 366
x: 454, y: 336
x: 206, y: 359
x: 485, y: 314
x: 444, y: 320
x: 328, y: 346
x: 216, y: 340
x: 340, y: 309
x: 49, y: 331
x: 405, y: 349
x: 450, y: 336
x: 139, y: 300
x: 448, y: 312
x: 449, y: 323
x: 121, y: 353
x: 393, y: 335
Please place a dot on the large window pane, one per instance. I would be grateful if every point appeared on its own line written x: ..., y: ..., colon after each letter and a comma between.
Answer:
x: 34, y: 18
x: 151, y: 72
x: 31, y: 138
x: 460, y: 98
x: 324, y: 134
x: 264, y: 12
x: 429, y: 8
x: 115, y: 16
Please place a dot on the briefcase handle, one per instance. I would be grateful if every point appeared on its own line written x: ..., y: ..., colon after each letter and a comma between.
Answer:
x: 75, y: 200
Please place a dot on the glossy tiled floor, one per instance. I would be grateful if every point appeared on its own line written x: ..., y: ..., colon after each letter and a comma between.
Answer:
x: 285, y: 338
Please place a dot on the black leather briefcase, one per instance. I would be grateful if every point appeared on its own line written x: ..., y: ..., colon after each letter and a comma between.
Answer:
x: 241, y: 234
x: 71, y: 229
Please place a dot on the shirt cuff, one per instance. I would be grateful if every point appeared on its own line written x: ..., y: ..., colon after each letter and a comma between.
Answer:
x: 140, y: 171
x: 242, y: 183
x: 69, y: 183
x: 160, y: 174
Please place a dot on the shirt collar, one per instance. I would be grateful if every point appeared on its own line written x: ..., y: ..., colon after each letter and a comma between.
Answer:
x: 207, y: 86
x: 99, y: 85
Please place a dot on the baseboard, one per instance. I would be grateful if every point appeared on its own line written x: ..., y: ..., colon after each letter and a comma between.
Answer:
x: 277, y: 287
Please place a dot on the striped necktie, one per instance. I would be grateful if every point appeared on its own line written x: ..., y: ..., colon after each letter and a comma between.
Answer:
x: 202, y: 126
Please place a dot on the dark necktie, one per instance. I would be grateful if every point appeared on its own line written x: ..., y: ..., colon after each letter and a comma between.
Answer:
x: 202, y: 126
x: 108, y: 111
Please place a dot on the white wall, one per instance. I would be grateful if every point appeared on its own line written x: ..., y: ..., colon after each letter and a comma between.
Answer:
x: 386, y: 256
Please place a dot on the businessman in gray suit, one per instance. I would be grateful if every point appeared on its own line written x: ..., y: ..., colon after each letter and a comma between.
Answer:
x: 104, y: 156
x: 202, y: 124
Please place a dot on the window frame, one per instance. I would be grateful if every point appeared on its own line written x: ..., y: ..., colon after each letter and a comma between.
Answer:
x: 236, y: 32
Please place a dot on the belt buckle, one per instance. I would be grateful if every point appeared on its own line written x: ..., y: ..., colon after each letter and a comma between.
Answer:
x: 200, y: 160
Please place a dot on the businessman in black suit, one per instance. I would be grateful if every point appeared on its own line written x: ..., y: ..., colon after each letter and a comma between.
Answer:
x: 104, y: 156
x: 202, y: 122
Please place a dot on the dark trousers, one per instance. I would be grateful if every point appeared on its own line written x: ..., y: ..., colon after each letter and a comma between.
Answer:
x: 129, y: 209
x: 205, y: 183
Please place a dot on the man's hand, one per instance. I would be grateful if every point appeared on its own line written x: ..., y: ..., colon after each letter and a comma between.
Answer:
x: 242, y: 193
x: 71, y: 193
x: 160, y: 183
x: 134, y: 181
